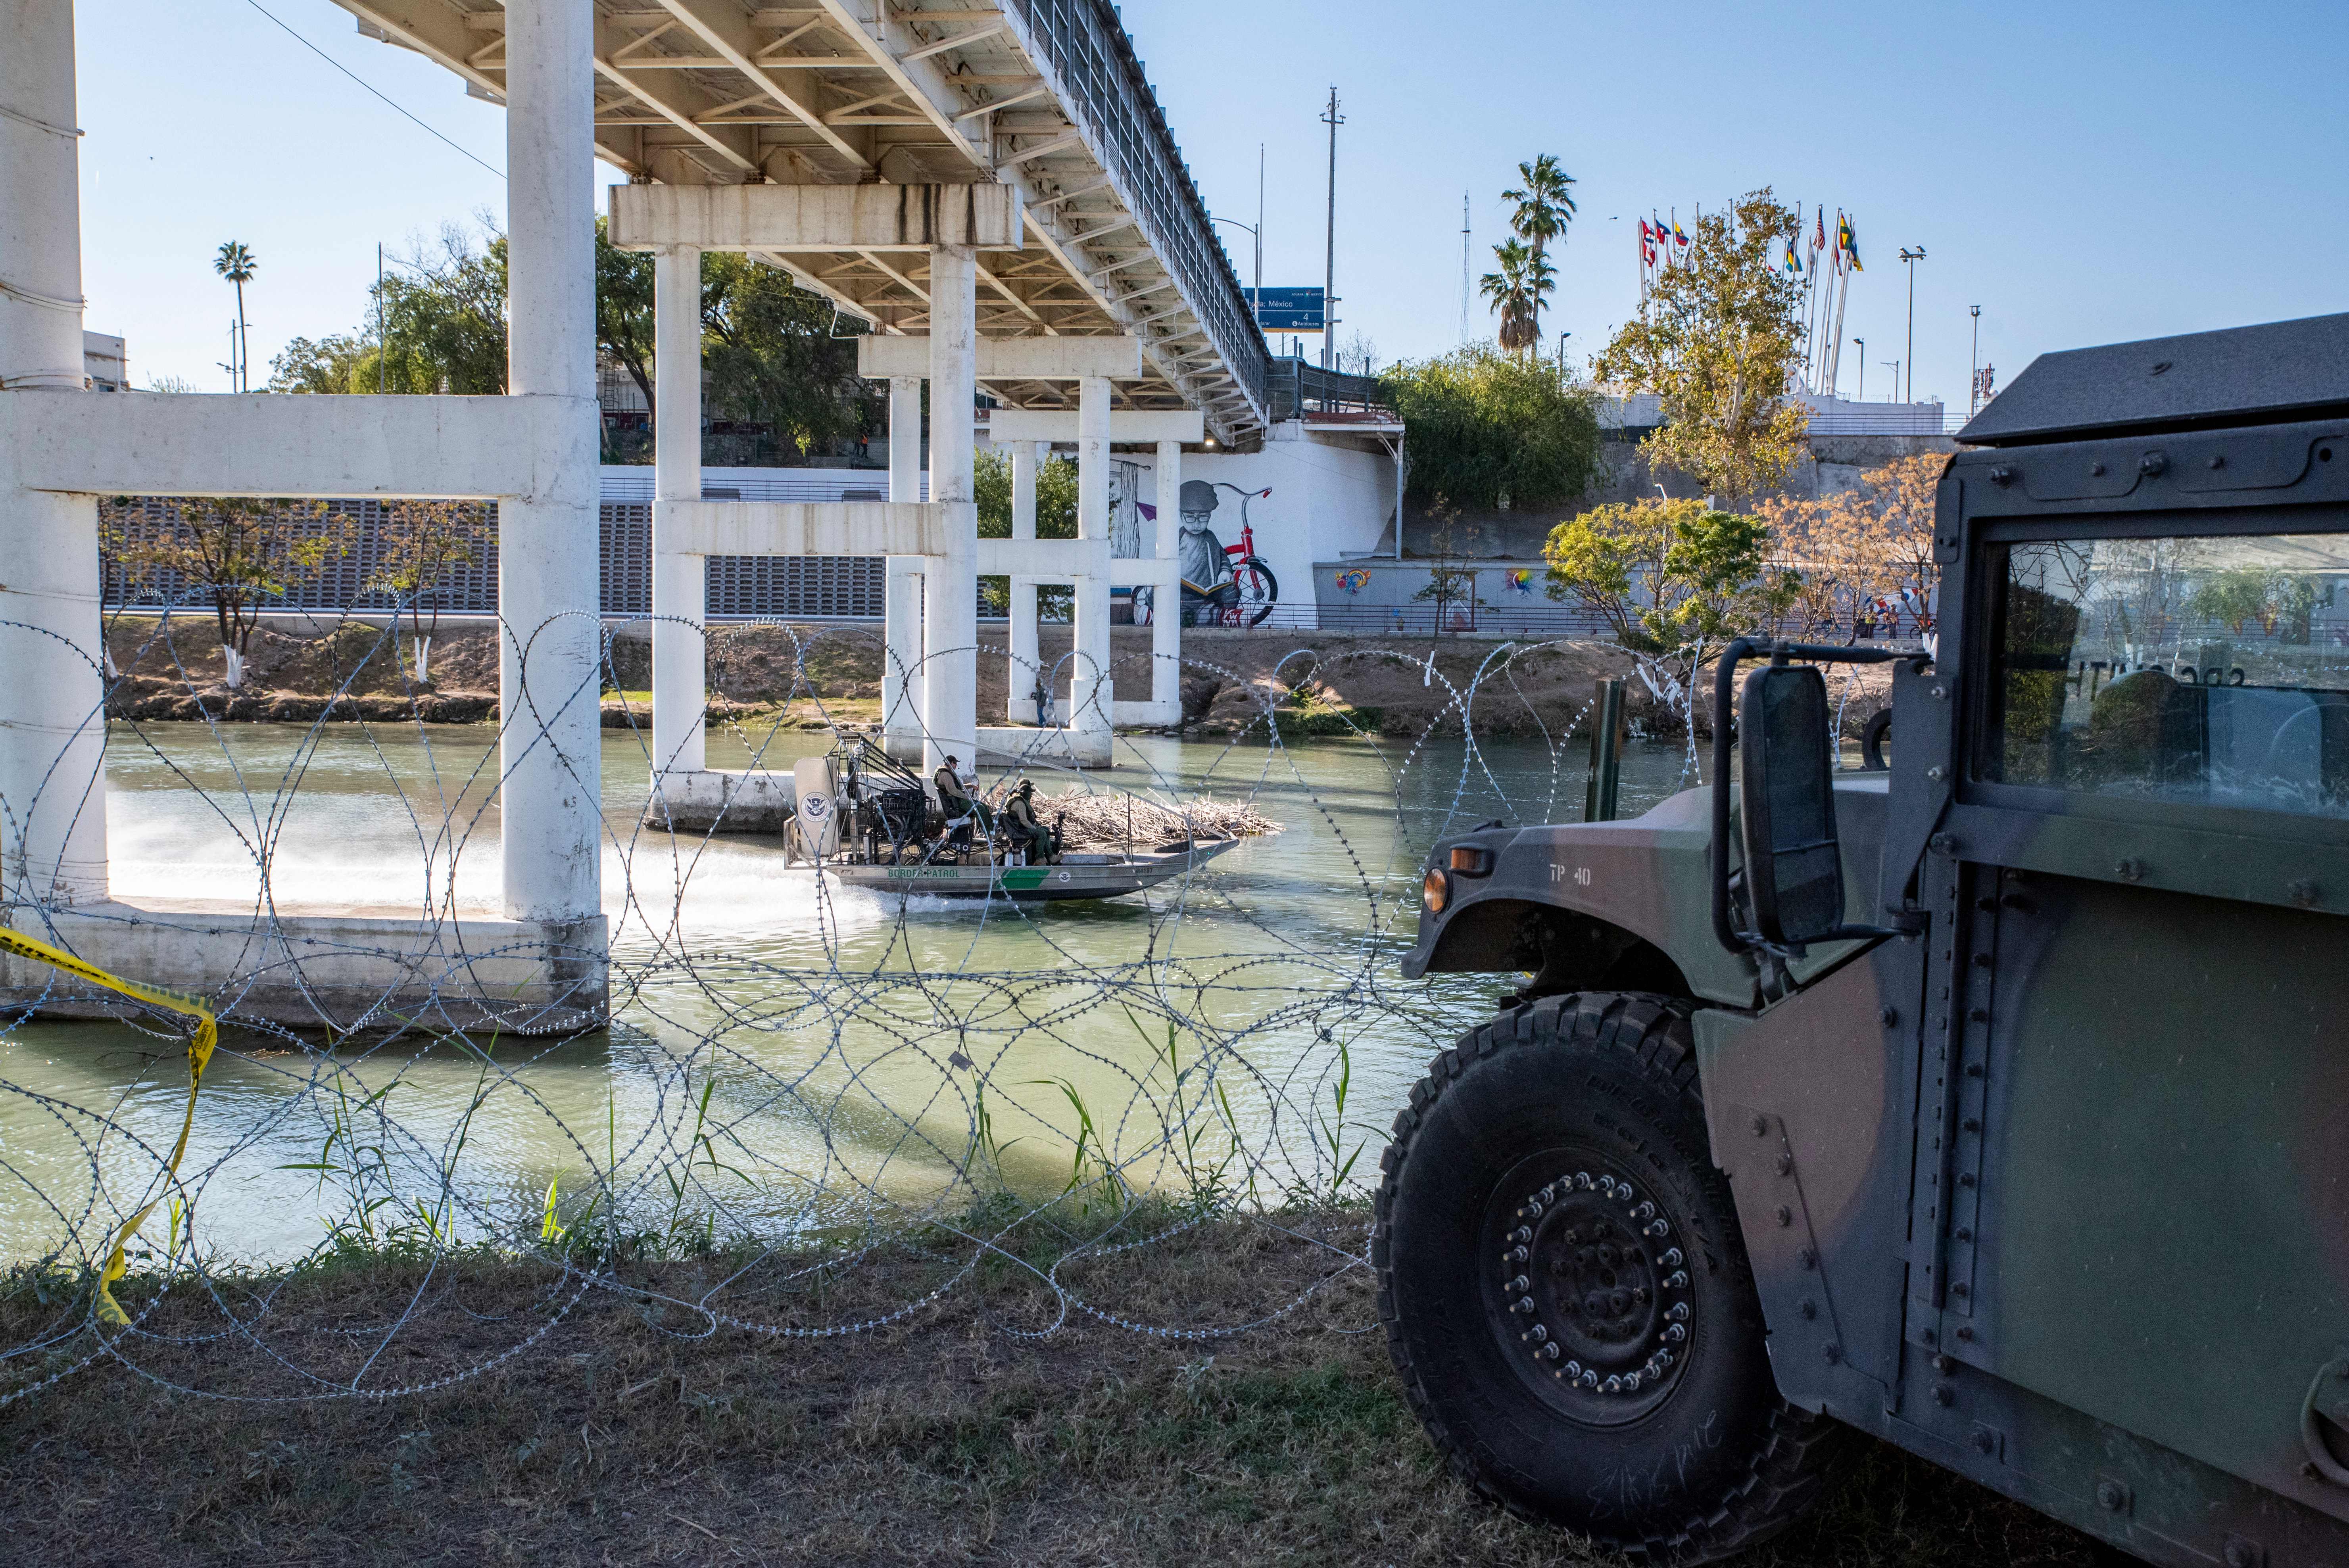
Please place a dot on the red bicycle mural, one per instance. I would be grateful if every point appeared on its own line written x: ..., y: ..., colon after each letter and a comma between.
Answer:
x: 1223, y: 584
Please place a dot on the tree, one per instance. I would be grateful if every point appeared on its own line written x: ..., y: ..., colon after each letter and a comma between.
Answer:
x: 772, y: 358
x: 1719, y: 339
x: 1517, y: 292
x: 1545, y: 202
x: 623, y: 311
x: 235, y: 263
x: 772, y: 353
x: 1056, y: 496
x: 444, y: 319
x: 327, y: 363
x: 2249, y: 595
x: 240, y: 552
x: 1056, y: 517
x: 1486, y: 429
x: 1874, y: 541
x: 1671, y: 578
x: 1448, y: 584
x: 418, y: 544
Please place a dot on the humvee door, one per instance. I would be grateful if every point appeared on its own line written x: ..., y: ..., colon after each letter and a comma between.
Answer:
x: 2137, y: 1126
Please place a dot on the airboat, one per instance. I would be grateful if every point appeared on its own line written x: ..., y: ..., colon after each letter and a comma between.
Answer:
x: 865, y: 820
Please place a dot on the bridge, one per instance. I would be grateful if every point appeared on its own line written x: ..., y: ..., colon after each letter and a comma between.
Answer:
x: 992, y: 186
x: 1044, y: 96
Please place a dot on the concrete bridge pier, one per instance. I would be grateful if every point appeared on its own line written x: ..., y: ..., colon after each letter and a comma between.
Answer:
x: 1092, y: 691
x: 551, y: 738
x: 1166, y: 596
x: 52, y: 718
x: 1025, y: 671
x: 679, y: 578
x: 368, y: 957
x: 950, y: 605
x: 901, y: 661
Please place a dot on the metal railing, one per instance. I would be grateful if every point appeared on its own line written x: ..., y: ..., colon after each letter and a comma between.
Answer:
x: 1298, y: 388
x: 1892, y: 421
x: 1085, y: 46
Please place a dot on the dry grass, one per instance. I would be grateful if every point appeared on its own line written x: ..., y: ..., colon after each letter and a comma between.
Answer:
x: 632, y: 1433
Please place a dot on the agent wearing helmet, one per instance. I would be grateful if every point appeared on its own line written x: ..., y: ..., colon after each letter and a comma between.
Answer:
x: 1207, y: 570
x: 1020, y: 813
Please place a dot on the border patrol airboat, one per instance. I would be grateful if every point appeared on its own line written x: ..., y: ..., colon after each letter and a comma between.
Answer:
x: 866, y: 820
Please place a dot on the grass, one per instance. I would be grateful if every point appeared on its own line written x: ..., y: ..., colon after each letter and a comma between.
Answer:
x: 634, y: 1433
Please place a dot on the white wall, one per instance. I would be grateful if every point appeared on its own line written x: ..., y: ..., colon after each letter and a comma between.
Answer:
x: 1327, y: 500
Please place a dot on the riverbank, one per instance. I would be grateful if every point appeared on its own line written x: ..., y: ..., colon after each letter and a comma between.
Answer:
x: 820, y: 675
x: 633, y: 1432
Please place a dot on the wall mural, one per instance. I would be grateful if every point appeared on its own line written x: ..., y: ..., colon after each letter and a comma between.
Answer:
x: 1353, y: 580
x: 1223, y: 584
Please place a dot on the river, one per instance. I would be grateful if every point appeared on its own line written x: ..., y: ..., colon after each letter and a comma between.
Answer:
x: 785, y: 1055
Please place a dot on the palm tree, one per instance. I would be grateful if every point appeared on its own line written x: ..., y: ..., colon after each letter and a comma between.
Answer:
x: 1545, y: 207
x: 1517, y: 291
x: 235, y: 263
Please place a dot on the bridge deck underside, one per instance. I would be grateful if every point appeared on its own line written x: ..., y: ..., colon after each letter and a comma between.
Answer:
x: 1043, y: 95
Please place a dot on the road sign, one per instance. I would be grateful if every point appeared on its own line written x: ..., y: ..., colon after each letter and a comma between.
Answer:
x: 1290, y: 310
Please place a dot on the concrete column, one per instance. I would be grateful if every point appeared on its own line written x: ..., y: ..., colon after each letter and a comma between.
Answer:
x: 901, y: 662
x: 1166, y: 607
x: 548, y: 681
x: 680, y: 595
x: 1020, y: 703
x: 951, y: 605
x: 1090, y: 687
x: 52, y: 718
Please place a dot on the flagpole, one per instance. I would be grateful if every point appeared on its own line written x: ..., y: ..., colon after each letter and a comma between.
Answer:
x: 1811, y: 312
x: 1840, y: 301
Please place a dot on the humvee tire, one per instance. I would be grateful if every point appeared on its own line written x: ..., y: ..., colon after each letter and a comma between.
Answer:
x: 1567, y: 1295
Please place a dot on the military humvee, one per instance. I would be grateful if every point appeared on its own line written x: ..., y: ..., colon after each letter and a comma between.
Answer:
x: 2034, y: 1163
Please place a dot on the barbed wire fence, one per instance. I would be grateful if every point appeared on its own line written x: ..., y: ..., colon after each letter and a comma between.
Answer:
x: 848, y: 1106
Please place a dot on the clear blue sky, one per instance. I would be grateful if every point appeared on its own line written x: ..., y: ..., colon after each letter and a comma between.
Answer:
x: 2085, y: 173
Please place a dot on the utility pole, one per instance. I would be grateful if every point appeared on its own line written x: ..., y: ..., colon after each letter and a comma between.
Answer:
x: 1463, y: 269
x: 1333, y: 119
x: 1893, y: 365
x: 1911, y: 258
x: 1974, y: 382
x: 381, y: 352
x: 1256, y: 293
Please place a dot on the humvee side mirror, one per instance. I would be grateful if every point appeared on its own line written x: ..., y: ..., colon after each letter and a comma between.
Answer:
x: 1794, y: 867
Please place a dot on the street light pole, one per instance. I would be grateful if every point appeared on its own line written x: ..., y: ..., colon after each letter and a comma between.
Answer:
x: 1912, y: 258
x: 1333, y: 119
x: 1973, y: 383
x: 1863, y: 367
x: 1256, y: 299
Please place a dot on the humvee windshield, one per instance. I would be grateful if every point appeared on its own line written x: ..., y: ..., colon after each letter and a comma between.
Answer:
x: 2211, y: 670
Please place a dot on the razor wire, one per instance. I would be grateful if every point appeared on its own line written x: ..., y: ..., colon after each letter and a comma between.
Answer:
x: 830, y: 1088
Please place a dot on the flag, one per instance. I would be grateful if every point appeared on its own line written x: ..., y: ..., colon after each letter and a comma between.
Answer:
x: 1793, y: 262
x: 1678, y: 238
x: 1648, y: 237
x: 1820, y: 230
x: 1848, y: 242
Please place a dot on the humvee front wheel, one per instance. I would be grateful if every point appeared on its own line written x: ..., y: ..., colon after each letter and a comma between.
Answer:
x: 1565, y: 1292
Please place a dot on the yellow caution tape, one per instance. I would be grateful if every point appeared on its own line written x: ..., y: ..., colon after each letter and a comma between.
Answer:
x: 199, y: 1053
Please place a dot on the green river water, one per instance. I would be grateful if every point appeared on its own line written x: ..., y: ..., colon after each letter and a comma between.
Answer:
x: 784, y: 1054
